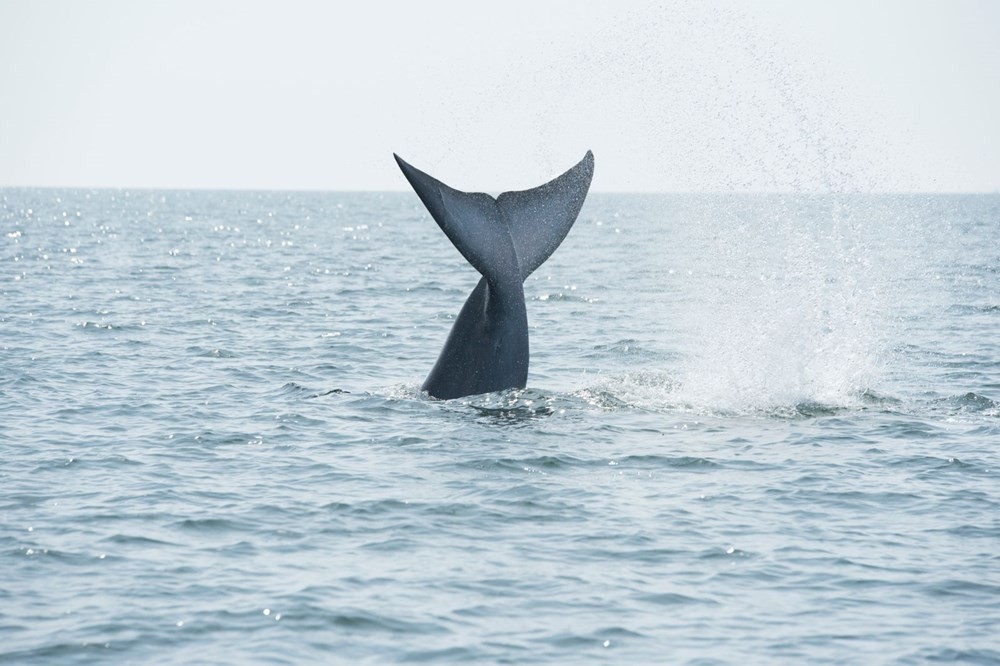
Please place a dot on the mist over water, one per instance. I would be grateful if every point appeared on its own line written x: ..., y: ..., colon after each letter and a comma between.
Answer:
x: 684, y: 97
x: 785, y: 303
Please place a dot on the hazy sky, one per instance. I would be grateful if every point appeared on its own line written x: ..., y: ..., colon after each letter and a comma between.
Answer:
x: 672, y: 96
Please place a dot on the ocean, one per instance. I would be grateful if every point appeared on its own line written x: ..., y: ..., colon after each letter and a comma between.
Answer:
x: 758, y: 429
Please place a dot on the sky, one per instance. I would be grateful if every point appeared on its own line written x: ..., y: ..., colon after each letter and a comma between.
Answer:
x: 676, y: 96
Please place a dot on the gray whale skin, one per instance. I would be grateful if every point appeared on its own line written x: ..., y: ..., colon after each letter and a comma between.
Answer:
x: 505, y: 239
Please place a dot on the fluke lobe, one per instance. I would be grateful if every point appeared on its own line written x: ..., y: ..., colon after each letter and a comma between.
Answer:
x: 505, y: 239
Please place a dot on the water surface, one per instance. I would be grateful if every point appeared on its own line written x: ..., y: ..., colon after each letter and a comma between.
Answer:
x: 757, y: 429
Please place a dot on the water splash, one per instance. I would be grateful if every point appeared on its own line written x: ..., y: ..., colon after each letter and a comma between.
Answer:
x: 791, y: 312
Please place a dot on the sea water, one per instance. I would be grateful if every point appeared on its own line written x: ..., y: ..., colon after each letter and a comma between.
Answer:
x: 757, y: 429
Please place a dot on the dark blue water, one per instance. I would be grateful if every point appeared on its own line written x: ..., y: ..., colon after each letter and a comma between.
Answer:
x: 757, y: 429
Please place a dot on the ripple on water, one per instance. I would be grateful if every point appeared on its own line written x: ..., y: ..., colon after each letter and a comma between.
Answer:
x: 974, y: 403
x: 206, y: 352
x: 363, y: 621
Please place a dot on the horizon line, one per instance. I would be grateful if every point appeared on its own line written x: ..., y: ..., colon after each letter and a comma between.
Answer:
x: 311, y: 190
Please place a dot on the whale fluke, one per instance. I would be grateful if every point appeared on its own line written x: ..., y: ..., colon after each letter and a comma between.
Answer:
x: 505, y: 239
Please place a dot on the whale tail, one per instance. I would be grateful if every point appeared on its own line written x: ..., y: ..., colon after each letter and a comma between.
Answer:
x: 505, y: 239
